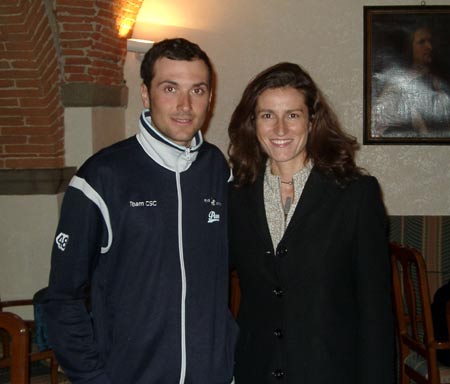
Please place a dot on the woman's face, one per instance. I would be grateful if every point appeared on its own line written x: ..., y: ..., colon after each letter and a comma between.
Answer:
x: 282, y: 127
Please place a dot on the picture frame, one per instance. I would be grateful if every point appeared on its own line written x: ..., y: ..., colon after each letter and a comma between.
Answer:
x: 406, y: 75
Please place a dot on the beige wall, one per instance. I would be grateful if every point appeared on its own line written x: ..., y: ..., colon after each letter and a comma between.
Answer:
x: 28, y: 223
x: 326, y: 37
x: 242, y: 38
x: 89, y: 129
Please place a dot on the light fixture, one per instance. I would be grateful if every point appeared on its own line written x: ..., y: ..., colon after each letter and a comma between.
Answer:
x: 139, y: 45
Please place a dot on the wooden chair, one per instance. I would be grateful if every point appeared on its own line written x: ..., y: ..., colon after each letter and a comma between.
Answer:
x: 15, y: 338
x: 417, y: 344
x: 17, y: 360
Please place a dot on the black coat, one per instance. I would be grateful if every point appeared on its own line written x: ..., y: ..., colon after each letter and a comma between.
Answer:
x: 318, y: 308
x: 438, y: 312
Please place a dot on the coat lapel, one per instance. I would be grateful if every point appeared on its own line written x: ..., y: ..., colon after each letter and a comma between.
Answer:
x: 256, y: 211
x: 315, y: 193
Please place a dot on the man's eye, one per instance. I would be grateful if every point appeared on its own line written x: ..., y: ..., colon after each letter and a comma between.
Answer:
x: 198, y: 91
x: 169, y: 89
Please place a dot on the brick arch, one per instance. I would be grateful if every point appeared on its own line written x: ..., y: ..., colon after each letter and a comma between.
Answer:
x: 92, y: 50
x: 56, y: 53
x: 31, y: 119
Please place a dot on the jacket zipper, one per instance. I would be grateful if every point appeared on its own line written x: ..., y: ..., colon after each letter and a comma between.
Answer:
x: 183, y: 277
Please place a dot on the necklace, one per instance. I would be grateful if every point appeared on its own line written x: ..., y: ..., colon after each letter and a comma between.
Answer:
x: 287, y: 182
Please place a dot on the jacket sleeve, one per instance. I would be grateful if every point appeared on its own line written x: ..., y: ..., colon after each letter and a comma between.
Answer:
x: 373, y: 281
x: 80, y: 235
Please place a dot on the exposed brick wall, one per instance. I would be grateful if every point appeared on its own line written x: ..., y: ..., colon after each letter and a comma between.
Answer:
x: 92, y: 49
x: 31, y: 114
x: 42, y: 50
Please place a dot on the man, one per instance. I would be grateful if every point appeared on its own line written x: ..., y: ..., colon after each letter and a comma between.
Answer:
x: 421, y: 43
x: 138, y: 285
x: 439, y: 316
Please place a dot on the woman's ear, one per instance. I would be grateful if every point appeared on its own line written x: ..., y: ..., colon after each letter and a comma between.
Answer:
x: 311, y: 119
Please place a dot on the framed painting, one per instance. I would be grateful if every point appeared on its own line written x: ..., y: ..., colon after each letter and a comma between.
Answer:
x: 406, y: 75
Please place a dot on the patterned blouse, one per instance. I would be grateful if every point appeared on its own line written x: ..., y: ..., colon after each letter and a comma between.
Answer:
x: 275, y: 214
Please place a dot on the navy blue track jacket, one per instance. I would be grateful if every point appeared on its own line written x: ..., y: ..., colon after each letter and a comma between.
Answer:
x: 138, y: 284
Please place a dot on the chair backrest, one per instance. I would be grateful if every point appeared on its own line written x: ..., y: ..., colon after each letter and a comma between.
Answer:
x: 4, y: 339
x: 14, y: 303
x: 19, y: 360
x: 13, y: 345
x: 417, y: 344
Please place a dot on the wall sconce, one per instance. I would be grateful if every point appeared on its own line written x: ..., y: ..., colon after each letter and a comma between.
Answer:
x: 139, y: 46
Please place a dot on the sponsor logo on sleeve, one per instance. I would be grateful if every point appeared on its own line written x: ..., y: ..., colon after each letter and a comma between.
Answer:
x: 61, y: 241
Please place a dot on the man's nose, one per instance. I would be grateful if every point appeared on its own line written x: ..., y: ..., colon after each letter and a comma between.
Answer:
x: 184, y: 102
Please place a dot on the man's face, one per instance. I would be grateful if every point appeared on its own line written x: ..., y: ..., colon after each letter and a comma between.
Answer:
x: 179, y: 98
x: 422, y: 47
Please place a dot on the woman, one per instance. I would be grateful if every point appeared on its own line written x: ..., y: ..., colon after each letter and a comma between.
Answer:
x: 308, y: 241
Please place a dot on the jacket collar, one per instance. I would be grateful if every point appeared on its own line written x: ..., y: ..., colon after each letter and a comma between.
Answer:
x: 166, y: 153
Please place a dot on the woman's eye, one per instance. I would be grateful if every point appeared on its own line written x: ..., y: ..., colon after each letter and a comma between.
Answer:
x: 266, y: 116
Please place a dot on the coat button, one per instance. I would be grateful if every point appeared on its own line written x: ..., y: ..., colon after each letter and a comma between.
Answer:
x: 278, y: 292
x: 278, y: 373
x: 281, y: 252
x: 278, y: 333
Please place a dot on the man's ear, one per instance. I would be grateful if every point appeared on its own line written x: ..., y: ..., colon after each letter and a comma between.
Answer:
x: 145, y: 96
x: 210, y: 100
